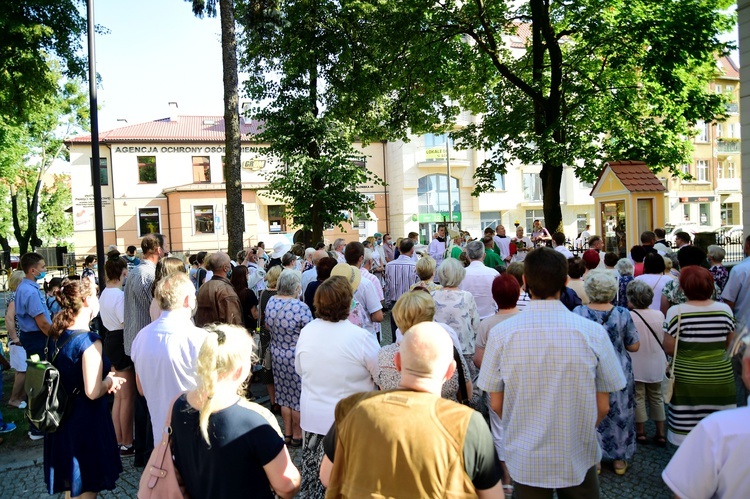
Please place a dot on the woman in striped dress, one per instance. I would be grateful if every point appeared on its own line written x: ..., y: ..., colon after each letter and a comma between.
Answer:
x: 704, y: 382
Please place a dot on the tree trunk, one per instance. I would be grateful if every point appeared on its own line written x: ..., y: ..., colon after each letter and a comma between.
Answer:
x: 551, y: 180
x: 234, y: 216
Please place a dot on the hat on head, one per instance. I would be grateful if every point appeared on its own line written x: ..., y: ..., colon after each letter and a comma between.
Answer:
x: 591, y: 258
x: 377, y: 235
x: 453, y: 233
x: 349, y: 272
x: 280, y: 248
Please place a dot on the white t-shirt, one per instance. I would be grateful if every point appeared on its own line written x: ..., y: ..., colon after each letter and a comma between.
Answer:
x: 478, y: 282
x: 334, y: 360
x: 165, y: 354
x: 657, y: 282
x: 565, y: 251
x: 367, y: 296
x: 712, y: 460
x: 112, y: 303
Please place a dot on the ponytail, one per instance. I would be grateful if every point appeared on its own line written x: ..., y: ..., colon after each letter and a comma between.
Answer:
x: 70, y: 297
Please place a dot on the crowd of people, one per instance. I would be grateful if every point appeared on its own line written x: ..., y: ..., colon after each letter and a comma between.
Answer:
x: 512, y: 366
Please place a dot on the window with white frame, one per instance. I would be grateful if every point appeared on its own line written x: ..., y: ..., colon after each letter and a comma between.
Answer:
x: 532, y: 215
x: 718, y: 88
x: 435, y: 140
x: 719, y: 130
x: 203, y: 219
x: 720, y: 171
x: 149, y: 220
x: 201, y: 170
x: 686, y: 211
x: 532, y: 187
x: 685, y: 169
x: 499, y: 183
x: 701, y: 170
x: 276, y: 219
x: 730, y: 169
x: 702, y: 136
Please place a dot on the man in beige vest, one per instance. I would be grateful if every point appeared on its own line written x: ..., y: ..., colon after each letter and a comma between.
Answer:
x: 410, y: 442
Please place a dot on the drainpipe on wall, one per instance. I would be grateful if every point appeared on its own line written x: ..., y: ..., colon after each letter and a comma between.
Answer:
x: 169, y: 223
x: 111, y: 173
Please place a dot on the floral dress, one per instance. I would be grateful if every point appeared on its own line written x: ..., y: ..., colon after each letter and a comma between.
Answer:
x: 721, y: 275
x: 285, y: 318
x: 616, y: 433
x: 457, y: 309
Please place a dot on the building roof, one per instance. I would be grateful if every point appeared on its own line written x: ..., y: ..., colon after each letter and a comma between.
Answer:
x: 178, y: 129
x: 636, y: 176
x: 729, y: 68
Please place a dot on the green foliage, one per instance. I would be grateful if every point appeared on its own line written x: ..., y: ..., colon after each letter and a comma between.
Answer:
x: 33, y: 31
x: 290, y: 51
x: 27, y: 151
x: 556, y: 82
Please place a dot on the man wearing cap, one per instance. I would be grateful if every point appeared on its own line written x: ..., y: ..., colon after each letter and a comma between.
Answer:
x: 365, y: 294
x: 450, y: 450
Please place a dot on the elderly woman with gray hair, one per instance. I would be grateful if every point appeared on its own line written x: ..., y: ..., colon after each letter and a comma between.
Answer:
x: 616, y: 432
x: 625, y: 270
x: 716, y: 255
x: 457, y: 308
x: 649, y: 362
x: 285, y: 317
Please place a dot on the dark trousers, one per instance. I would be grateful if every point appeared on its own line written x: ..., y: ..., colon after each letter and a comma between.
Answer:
x: 588, y: 489
x: 34, y: 342
x: 143, y: 442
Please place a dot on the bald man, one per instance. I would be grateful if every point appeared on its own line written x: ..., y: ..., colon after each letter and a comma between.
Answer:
x: 422, y: 432
x: 217, y: 300
x: 312, y: 274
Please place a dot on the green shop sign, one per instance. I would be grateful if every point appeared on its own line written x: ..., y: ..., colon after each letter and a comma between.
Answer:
x: 438, y: 217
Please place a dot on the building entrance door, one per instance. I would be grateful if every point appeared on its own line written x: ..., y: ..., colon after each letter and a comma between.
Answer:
x: 613, y: 227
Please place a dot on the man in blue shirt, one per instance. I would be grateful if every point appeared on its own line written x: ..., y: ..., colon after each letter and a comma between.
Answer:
x: 32, y: 313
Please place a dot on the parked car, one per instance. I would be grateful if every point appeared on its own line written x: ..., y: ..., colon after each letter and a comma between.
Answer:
x: 729, y: 234
x: 671, y: 231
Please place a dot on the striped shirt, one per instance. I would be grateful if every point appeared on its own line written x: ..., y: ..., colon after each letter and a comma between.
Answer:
x: 138, y: 301
x: 550, y: 363
x: 400, y: 274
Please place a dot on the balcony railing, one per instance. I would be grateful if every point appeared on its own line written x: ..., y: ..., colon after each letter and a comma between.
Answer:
x: 727, y: 147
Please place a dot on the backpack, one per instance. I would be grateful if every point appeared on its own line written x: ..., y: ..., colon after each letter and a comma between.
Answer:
x: 48, y: 399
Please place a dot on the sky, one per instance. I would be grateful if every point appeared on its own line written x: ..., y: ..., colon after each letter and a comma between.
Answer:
x: 156, y: 52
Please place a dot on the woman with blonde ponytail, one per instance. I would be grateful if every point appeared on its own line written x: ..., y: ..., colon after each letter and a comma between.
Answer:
x: 81, y: 458
x: 223, y: 445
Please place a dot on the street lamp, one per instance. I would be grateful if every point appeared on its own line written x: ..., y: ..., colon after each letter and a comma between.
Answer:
x: 96, y: 181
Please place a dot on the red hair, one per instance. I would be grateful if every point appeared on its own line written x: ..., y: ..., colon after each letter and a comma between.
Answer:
x: 696, y: 282
x: 505, y: 291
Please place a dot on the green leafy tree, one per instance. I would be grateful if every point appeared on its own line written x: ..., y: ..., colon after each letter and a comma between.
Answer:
x: 557, y: 83
x: 233, y: 142
x: 55, y: 224
x: 32, y: 32
x: 27, y: 152
x: 288, y: 49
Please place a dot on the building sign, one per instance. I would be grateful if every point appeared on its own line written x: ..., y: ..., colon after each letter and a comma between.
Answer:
x: 435, y: 152
x: 177, y: 149
x: 438, y: 217
x: 698, y: 199
x: 83, y: 211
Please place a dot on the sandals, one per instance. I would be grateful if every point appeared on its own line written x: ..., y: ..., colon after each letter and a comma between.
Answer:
x: 295, y: 443
x: 660, y: 440
x: 620, y: 470
x: 641, y: 438
x: 287, y: 439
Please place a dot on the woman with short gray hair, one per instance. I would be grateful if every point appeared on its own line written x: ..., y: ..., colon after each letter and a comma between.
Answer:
x: 457, y: 308
x: 649, y: 362
x: 716, y: 255
x: 616, y: 432
x: 625, y: 270
x: 285, y: 316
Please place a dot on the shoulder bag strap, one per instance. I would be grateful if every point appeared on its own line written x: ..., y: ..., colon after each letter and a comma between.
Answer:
x: 676, y: 343
x: 464, y: 394
x: 164, y: 445
x: 649, y: 328
x: 58, y: 348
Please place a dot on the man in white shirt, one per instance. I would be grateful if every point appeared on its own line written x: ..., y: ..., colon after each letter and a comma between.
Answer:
x: 478, y: 280
x: 312, y: 274
x: 165, y: 352
x: 338, y: 248
x: 414, y: 237
x: 712, y: 461
x: 523, y: 245
x: 366, y: 293
x: 597, y: 243
x: 503, y: 242
x: 558, y: 242
x: 438, y: 246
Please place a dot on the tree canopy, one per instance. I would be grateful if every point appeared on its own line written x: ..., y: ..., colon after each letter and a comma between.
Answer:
x: 289, y: 51
x: 33, y: 31
x: 557, y: 83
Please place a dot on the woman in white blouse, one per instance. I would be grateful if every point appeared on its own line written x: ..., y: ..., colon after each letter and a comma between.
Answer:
x: 334, y: 359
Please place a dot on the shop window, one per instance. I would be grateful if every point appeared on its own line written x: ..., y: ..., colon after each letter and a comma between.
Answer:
x: 149, y: 221
x: 701, y: 169
x: 276, y: 219
x: 686, y: 212
x: 203, y: 217
x: 532, y: 187
x: 147, y: 169
x: 201, y: 170
x: 705, y: 213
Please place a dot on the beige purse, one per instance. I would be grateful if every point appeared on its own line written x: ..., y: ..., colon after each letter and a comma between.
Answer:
x: 669, y: 389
